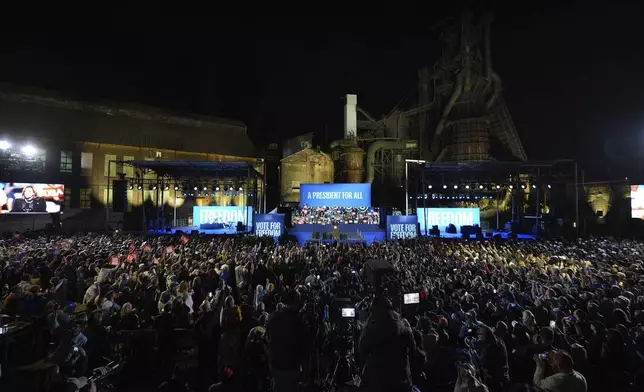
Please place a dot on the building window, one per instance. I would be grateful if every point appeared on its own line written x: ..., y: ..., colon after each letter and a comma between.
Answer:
x: 109, y: 169
x: 65, y: 161
x: 87, y: 160
x: 86, y: 198
x: 68, y: 197
x: 128, y: 170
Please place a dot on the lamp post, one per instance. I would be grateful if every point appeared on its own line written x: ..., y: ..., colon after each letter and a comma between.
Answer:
x: 407, y: 162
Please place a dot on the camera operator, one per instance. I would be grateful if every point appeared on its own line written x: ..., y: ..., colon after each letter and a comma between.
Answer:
x: 564, y: 379
x: 387, y: 347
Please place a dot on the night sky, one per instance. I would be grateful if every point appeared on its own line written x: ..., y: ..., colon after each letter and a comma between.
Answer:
x: 573, y: 74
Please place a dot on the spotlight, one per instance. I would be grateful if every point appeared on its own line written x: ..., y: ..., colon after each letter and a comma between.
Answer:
x: 166, y: 188
x: 195, y: 188
x: 522, y: 186
x: 549, y: 186
x: 231, y: 188
x: 534, y: 186
x: 205, y: 188
x: 29, y: 150
x: 176, y: 187
x: 444, y: 186
x: 139, y: 186
x: 217, y: 188
x: 480, y: 186
x: 467, y: 187
x: 4, y: 145
x: 455, y: 186
x: 511, y: 187
x: 498, y: 187
x: 131, y: 186
x: 154, y: 187
x: 429, y: 186
x: 241, y: 189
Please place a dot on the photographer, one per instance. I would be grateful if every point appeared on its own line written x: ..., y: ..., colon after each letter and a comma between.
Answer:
x: 387, y: 347
x: 564, y: 379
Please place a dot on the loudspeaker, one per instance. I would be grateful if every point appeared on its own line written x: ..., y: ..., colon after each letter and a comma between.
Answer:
x: 288, y: 219
x: 376, y: 270
x: 119, y: 195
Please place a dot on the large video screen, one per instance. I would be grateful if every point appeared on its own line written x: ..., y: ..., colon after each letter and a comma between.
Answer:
x: 443, y: 217
x: 637, y: 201
x: 29, y: 198
x: 335, y: 215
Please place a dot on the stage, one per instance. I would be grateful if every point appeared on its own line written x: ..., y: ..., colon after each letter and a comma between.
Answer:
x: 368, y: 234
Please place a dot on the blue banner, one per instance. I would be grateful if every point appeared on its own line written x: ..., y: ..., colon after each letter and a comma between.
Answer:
x: 268, y: 225
x: 443, y: 217
x: 221, y: 214
x: 335, y: 195
x: 401, y: 227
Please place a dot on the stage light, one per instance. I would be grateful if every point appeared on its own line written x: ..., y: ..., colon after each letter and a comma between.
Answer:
x: 511, y: 187
x: 217, y: 188
x: 195, y: 188
x: 429, y: 186
x: 131, y: 186
x: 205, y: 188
x: 166, y: 188
x: 154, y: 187
x: 139, y: 187
x: 29, y: 150
x: 467, y: 187
x: 534, y: 186
x: 480, y: 186
x: 455, y: 186
x: 176, y: 187
x: 4, y: 145
x: 549, y: 186
x: 231, y: 188
x: 444, y: 186
x: 522, y: 186
x: 241, y: 189
x: 498, y: 187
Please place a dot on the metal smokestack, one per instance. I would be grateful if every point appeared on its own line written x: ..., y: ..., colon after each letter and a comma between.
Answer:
x: 350, y: 116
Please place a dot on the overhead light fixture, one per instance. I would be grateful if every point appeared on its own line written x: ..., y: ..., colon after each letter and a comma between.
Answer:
x: 231, y: 188
x: 534, y: 186
x: 217, y: 188
x: 480, y: 186
x: 522, y: 186
x: 154, y: 187
x: 498, y: 187
x: 444, y: 186
x: 549, y: 186
x: 205, y: 188
x: 241, y: 188
x: 176, y: 187
x: 29, y: 150
x: 139, y: 187
x: 455, y: 186
x: 195, y: 188
x: 429, y: 186
x: 131, y: 187
x: 511, y: 187
x: 4, y: 145
x: 467, y: 187
x: 166, y: 188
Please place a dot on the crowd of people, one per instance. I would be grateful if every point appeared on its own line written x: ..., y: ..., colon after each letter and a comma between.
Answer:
x: 490, y: 316
x: 335, y: 215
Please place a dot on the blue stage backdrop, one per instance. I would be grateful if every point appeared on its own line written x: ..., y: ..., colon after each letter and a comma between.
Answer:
x: 221, y: 214
x: 401, y: 227
x: 268, y: 225
x: 442, y: 217
x: 340, y: 195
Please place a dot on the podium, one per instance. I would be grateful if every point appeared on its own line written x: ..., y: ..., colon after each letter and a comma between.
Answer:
x: 335, y: 233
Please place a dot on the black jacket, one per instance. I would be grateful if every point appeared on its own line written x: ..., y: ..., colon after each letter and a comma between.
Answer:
x: 387, y: 347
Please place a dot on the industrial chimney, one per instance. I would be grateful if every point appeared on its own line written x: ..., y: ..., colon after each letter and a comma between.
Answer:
x: 350, y: 116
